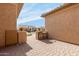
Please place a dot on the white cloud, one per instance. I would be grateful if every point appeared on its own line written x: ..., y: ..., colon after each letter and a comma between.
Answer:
x: 48, y: 10
x: 32, y: 16
x: 29, y: 14
x: 27, y: 8
x: 19, y: 21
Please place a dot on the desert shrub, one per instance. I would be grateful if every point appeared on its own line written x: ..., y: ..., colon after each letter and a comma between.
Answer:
x: 29, y: 34
x: 21, y: 29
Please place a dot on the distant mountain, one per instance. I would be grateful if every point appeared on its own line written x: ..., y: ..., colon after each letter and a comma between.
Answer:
x: 36, y: 23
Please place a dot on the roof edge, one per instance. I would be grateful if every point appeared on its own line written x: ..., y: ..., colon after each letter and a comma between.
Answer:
x: 58, y: 9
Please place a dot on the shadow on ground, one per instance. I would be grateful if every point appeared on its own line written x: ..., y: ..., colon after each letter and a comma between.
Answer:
x: 47, y: 41
x: 18, y: 50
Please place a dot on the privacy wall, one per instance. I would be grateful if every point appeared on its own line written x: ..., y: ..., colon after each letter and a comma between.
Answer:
x: 64, y: 24
x: 8, y: 16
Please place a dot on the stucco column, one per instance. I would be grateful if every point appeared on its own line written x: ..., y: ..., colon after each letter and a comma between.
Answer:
x: 8, y: 18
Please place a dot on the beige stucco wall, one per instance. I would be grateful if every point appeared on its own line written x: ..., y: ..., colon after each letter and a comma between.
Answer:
x: 8, y: 16
x: 22, y: 37
x: 64, y: 24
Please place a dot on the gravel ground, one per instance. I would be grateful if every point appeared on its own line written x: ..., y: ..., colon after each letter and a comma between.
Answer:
x: 41, y: 48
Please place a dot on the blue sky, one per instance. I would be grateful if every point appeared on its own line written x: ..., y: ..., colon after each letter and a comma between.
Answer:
x: 31, y: 13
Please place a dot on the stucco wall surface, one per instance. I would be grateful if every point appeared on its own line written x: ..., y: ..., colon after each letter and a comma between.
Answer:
x: 64, y: 24
x: 8, y: 18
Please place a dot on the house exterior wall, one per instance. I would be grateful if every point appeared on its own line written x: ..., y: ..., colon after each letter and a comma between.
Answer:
x: 64, y: 24
x: 8, y: 16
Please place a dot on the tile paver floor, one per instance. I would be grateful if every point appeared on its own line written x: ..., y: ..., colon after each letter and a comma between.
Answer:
x: 41, y: 48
